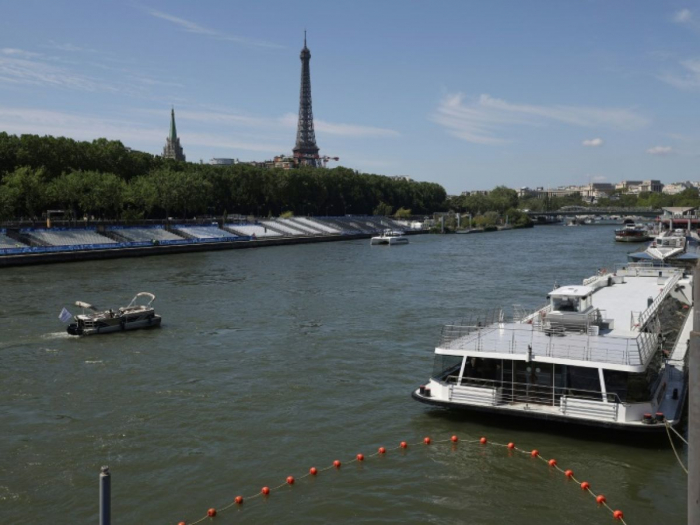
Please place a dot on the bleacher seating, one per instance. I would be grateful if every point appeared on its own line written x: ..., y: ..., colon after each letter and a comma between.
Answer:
x: 205, y: 232
x: 253, y: 229
x: 293, y: 224
x: 317, y: 225
x: 8, y: 242
x: 69, y: 237
x: 281, y: 227
x: 146, y: 234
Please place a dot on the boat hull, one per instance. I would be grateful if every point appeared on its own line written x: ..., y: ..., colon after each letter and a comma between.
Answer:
x: 153, y: 322
x: 390, y: 241
x: 547, y: 416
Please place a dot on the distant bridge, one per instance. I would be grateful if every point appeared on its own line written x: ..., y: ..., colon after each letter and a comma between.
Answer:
x: 571, y: 211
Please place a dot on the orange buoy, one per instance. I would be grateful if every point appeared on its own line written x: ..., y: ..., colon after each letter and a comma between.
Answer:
x: 454, y: 439
x: 534, y: 453
x: 426, y: 440
x: 569, y: 473
x: 404, y: 444
x: 600, y: 498
x: 552, y: 462
x: 482, y: 441
x: 265, y: 490
x: 313, y: 471
x: 360, y: 457
x: 511, y: 446
x: 618, y: 515
x: 336, y: 464
x: 585, y: 485
x: 290, y: 480
x: 382, y: 450
x: 182, y: 523
x: 239, y: 500
x: 211, y: 512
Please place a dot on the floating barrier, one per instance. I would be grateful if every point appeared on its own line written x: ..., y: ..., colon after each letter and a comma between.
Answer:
x: 600, y: 499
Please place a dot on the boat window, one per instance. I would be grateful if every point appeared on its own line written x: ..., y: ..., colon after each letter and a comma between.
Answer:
x: 565, y: 304
x: 445, y: 365
x: 583, y: 382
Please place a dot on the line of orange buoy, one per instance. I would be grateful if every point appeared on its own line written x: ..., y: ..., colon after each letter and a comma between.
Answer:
x: 313, y: 471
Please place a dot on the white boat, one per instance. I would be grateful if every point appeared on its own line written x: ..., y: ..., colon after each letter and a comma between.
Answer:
x: 390, y: 237
x: 594, y: 355
x: 667, y: 247
x: 632, y: 233
x: 132, y: 317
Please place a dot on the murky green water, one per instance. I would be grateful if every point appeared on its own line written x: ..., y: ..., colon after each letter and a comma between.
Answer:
x: 274, y: 360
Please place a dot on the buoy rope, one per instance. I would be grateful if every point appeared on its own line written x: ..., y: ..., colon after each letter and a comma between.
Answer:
x: 266, y: 491
x: 670, y: 439
x: 676, y: 433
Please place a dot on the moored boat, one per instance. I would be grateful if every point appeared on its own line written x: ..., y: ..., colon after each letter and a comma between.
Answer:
x: 131, y: 317
x: 669, y: 247
x: 390, y: 238
x: 632, y: 233
x: 594, y: 355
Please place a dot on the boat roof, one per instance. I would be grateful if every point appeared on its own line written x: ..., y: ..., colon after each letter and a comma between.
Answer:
x: 572, y: 291
x: 625, y: 346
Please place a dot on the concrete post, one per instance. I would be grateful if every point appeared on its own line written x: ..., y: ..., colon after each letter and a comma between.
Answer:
x: 105, y: 496
x: 694, y: 407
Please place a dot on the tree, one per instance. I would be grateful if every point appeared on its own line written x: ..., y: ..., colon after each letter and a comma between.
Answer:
x: 383, y: 209
x: 24, y: 191
x: 403, y: 213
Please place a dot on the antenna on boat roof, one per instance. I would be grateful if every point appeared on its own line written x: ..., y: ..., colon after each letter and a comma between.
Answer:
x: 556, y: 285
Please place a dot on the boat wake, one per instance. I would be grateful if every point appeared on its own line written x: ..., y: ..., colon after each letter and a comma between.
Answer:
x: 57, y: 335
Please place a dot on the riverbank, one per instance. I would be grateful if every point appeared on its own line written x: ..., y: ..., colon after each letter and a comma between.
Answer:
x: 27, y: 259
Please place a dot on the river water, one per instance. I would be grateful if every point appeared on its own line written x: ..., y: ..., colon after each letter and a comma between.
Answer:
x: 273, y: 360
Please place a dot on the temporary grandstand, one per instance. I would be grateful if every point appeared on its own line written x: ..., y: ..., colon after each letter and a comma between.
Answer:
x: 204, y: 232
x: 140, y: 234
x: 8, y: 242
x: 252, y: 230
x: 66, y: 237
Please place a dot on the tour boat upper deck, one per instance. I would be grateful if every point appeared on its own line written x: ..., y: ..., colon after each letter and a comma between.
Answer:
x: 597, y: 345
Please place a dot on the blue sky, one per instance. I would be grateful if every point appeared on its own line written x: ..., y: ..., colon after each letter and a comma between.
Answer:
x: 467, y: 94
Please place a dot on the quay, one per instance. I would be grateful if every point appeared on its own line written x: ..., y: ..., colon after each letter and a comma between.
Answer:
x: 33, y: 246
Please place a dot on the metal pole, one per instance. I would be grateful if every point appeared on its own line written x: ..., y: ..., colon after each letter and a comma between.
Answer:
x: 694, y: 408
x: 105, y: 496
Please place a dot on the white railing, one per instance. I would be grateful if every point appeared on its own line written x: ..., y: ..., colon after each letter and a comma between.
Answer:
x: 651, y: 309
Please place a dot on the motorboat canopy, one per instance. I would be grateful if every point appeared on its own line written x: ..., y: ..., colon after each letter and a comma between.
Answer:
x: 86, y: 306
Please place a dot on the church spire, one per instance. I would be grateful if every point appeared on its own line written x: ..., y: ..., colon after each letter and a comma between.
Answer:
x: 172, y: 149
x: 173, y: 131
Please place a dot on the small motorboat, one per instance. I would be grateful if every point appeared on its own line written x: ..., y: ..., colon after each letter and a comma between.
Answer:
x: 138, y: 314
x: 389, y: 238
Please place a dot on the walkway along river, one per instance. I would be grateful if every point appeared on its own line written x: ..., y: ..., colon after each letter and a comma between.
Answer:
x: 272, y: 361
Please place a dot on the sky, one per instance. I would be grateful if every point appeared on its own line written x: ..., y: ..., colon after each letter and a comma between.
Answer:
x: 468, y: 94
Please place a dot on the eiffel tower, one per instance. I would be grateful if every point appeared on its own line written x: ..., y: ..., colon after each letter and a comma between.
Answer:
x: 306, y: 150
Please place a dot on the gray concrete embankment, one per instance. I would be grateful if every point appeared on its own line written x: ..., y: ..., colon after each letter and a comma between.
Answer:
x: 26, y: 259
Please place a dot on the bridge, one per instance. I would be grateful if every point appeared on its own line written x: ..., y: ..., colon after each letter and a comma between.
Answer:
x: 571, y: 211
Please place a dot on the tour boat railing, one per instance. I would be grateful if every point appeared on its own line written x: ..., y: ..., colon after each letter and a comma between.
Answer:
x: 512, y: 392
x: 533, y: 341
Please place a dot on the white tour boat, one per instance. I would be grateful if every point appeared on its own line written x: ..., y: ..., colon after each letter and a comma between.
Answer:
x: 390, y: 237
x: 667, y: 247
x: 132, y: 317
x: 594, y: 355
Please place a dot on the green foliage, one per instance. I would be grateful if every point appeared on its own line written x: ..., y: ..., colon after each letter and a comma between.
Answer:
x: 403, y: 213
x: 106, y: 179
x: 383, y: 209
x: 286, y: 215
x: 490, y: 218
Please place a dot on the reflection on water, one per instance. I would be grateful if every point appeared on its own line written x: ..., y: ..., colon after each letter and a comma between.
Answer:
x: 270, y: 361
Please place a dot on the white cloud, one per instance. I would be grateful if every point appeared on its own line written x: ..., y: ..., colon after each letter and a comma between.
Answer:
x: 287, y: 121
x: 192, y: 27
x: 688, y: 78
x: 20, y: 53
x: 23, y: 67
x: 660, y: 150
x: 480, y: 120
x: 85, y: 127
x: 684, y: 16
x: 593, y: 143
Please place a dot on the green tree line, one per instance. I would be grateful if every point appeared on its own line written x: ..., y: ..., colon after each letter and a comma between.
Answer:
x: 105, y: 179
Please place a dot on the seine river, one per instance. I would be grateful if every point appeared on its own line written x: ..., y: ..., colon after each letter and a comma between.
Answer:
x: 274, y: 360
